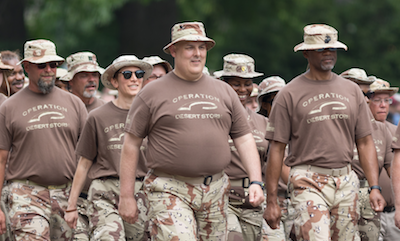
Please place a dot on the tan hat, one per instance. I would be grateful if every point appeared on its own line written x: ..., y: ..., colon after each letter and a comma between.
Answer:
x: 189, y: 31
x: 358, y: 76
x: 239, y: 65
x: 255, y: 90
x: 40, y: 51
x: 269, y: 85
x: 61, y: 72
x: 5, y: 66
x: 81, y: 62
x: 124, y: 61
x: 154, y: 60
x: 318, y: 36
x: 381, y: 86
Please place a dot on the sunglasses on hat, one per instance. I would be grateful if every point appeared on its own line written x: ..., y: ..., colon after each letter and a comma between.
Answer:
x: 128, y: 74
x: 51, y: 64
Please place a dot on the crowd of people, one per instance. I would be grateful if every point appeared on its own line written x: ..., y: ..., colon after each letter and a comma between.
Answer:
x: 174, y: 153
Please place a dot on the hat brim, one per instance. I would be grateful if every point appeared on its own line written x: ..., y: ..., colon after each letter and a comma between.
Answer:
x: 359, y: 81
x: 304, y: 46
x: 83, y: 68
x: 44, y: 59
x: 391, y: 91
x: 195, y: 38
x: 5, y: 66
x: 221, y: 73
x: 110, y: 71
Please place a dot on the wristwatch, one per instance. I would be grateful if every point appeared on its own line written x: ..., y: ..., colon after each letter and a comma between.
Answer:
x: 262, y: 185
x: 374, y: 187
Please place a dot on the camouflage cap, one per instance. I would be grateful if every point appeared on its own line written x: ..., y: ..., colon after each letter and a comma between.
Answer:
x: 382, y: 86
x: 358, y: 76
x: 61, y: 72
x: 255, y: 90
x: 40, y: 51
x: 268, y: 86
x: 154, y: 60
x: 81, y: 62
x: 239, y: 65
x: 124, y: 61
x: 5, y: 66
x: 189, y: 31
x: 317, y: 36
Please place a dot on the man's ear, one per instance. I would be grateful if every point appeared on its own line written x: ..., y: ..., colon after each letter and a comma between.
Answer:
x: 172, y: 50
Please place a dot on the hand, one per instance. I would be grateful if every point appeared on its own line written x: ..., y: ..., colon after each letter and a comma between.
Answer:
x: 3, y: 227
x: 376, y: 200
x: 256, y: 195
x: 128, y: 210
x: 397, y: 218
x: 71, y: 218
x: 272, y: 215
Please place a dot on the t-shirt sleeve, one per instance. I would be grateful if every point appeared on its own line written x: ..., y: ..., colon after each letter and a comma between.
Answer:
x: 240, y: 125
x: 138, y: 119
x: 87, y: 144
x: 388, y: 154
x: 363, y: 125
x: 279, y: 127
x: 395, y: 140
x: 5, y: 140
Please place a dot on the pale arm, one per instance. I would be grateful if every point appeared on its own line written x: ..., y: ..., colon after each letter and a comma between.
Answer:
x: 396, y: 185
x: 3, y: 162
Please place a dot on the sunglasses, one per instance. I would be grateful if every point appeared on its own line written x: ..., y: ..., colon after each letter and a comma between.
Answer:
x: 128, y: 74
x: 323, y: 49
x: 51, y: 64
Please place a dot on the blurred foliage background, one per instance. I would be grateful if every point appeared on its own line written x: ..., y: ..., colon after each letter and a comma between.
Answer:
x: 265, y: 30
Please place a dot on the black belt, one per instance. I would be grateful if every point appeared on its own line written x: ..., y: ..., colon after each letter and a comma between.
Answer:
x: 83, y: 195
x: 140, y: 179
x: 389, y: 209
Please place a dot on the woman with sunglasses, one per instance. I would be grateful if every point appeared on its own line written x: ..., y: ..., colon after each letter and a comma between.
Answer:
x: 244, y: 220
x: 99, y: 148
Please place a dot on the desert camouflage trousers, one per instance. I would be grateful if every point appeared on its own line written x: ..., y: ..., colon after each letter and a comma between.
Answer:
x: 37, y: 212
x: 81, y: 232
x: 5, y: 209
x: 183, y: 208
x: 104, y: 220
x: 286, y: 224
x: 369, y: 224
x: 325, y: 201
x: 244, y: 223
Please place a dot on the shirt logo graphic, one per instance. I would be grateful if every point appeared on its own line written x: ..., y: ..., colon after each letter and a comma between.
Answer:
x: 211, y: 106
x: 57, y: 116
x: 319, y: 109
x: 117, y: 138
x: 258, y: 139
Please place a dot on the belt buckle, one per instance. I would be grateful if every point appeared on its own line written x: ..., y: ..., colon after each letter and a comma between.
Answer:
x: 51, y: 187
x: 207, y: 180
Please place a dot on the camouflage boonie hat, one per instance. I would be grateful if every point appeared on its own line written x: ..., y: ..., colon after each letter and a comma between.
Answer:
x: 124, y: 61
x: 255, y: 90
x: 5, y: 66
x: 381, y: 86
x: 318, y: 36
x: 154, y: 60
x: 81, y: 62
x: 40, y: 51
x: 358, y: 76
x: 239, y: 65
x: 189, y: 31
x: 61, y: 72
x: 268, y: 86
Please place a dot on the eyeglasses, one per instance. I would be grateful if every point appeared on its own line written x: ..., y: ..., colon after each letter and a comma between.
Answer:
x: 154, y: 77
x: 387, y: 101
x: 51, y: 64
x: 323, y: 49
x: 128, y: 74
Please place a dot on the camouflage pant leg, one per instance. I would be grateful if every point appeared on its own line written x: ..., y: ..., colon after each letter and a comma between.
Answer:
x: 4, y: 207
x: 282, y: 233
x: 81, y: 232
x: 244, y: 224
x: 38, y: 213
x: 389, y: 231
x: 326, y: 206
x: 369, y: 222
x: 139, y: 230
x: 270, y: 234
x: 288, y: 215
x: 182, y: 211
x: 104, y: 220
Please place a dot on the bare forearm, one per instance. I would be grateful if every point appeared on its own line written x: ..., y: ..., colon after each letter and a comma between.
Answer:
x: 249, y: 156
x: 274, y: 169
x: 128, y: 165
x: 396, y: 178
x: 3, y: 163
x: 79, y: 181
x: 368, y: 159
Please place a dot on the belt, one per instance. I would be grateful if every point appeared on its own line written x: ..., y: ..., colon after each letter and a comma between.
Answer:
x: 140, y: 179
x: 364, y: 183
x: 389, y: 209
x: 327, y: 171
x: 243, y: 182
x: 50, y: 187
x: 206, y: 180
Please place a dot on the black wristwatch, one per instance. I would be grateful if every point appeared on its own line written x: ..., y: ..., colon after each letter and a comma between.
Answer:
x: 262, y: 185
x: 374, y: 187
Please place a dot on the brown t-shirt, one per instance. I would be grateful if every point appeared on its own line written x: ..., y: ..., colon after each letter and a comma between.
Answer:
x: 396, y: 139
x: 321, y: 119
x: 101, y: 140
x: 41, y: 132
x: 187, y: 124
x: 258, y: 125
x: 384, y: 179
x: 382, y: 140
x: 96, y: 103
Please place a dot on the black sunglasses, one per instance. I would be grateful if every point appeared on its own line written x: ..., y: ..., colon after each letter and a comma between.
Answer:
x: 329, y: 49
x: 128, y: 74
x: 51, y: 64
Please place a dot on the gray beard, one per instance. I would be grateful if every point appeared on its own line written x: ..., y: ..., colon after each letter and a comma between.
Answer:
x: 89, y: 95
x: 46, y: 87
